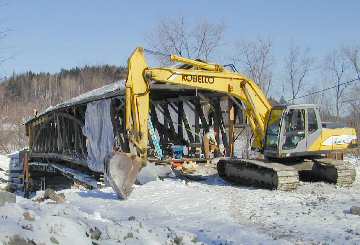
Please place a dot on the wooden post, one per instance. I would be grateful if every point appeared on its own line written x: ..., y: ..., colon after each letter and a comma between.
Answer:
x: 76, y: 132
x: 51, y: 145
x: 224, y: 137
x: 199, y: 110
x: 64, y: 131
x: 231, y: 117
x: 31, y: 135
x: 170, y: 124
x: 48, y: 137
x: 217, y: 119
x: 41, y: 140
x: 59, y: 135
x: 180, y: 118
x: 187, y: 126
x: 26, y: 175
x: 197, y: 118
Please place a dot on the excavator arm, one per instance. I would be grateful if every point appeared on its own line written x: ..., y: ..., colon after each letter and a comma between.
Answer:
x: 137, y: 105
x: 204, y: 76
x: 122, y: 168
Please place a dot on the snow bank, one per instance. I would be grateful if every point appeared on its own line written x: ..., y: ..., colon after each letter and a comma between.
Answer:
x: 160, y: 212
x: 174, y: 212
x: 355, y: 162
x: 4, y: 162
x: 11, y: 169
x: 4, y: 168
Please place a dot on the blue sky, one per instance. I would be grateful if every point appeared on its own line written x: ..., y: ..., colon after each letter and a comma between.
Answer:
x: 48, y: 35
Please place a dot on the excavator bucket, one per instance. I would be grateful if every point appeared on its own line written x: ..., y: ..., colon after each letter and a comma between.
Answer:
x: 122, y: 168
x: 121, y: 172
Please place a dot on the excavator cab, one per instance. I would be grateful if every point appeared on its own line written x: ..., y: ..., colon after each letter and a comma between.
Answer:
x: 291, y: 130
x: 297, y: 131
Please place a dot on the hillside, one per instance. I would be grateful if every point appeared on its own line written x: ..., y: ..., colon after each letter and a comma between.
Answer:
x: 21, y: 94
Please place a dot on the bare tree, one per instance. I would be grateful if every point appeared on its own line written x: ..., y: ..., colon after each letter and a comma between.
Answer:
x: 297, y: 67
x: 353, y: 103
x: 337, y: 70
x: 207, y: 38
x: 3, y: 58
x: 321, y: 99
x: 353, y: 56
x: 313, y: 97
x: 175, y: 36
x: 256, y: 60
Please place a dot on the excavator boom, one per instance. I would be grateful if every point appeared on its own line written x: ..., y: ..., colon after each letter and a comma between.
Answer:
x: 205, y: 76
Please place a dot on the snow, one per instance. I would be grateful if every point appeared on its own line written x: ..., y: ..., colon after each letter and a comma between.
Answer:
x: 102, y: 92
x: 10, y: 170
x: 173, y: 211
x: 4, y: 168
x: 4, y: 162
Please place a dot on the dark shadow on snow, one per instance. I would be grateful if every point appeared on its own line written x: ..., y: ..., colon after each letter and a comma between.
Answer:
x: 216, y: 180
x: 98, y: 194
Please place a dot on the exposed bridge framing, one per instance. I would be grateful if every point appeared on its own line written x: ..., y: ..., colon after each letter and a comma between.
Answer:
x: 179, y: 115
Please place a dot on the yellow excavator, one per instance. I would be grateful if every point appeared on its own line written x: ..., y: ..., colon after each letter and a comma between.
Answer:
x: 291, y: 137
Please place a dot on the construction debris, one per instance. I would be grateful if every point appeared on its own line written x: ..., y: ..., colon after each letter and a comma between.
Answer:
x: 28, y: 216
x: 52, y: 195
x: 355, y: 210
x: 152, y: 172
x: 95, y: 233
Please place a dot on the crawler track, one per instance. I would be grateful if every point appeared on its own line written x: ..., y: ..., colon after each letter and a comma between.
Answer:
x: 275, y: 175
x: 270, y: 175
x: 338, y: 172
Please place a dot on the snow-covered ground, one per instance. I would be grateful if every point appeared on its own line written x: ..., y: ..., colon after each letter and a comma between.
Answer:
x: 10, y: 171
x: 4, y: 167
x: 173, y: 211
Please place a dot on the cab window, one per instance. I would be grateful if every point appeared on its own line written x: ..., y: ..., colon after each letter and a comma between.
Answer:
x: 294, y: 128
x: 312, y: 121
x: 273, y: 129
